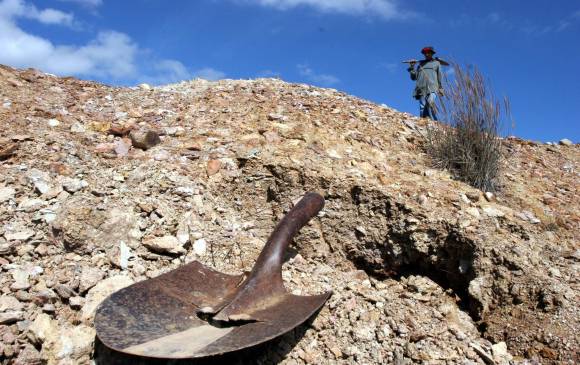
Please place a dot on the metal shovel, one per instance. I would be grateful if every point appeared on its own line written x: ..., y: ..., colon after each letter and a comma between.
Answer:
x: 195, y: 311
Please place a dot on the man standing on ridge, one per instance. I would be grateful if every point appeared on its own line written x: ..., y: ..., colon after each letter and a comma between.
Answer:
x: 429, y: 82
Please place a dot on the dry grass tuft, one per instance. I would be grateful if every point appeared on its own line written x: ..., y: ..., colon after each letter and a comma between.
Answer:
x: 468, y: 144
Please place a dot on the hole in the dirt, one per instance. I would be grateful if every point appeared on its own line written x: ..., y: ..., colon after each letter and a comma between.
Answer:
x: 355, y: 194
x: 242, y: 162
x: 444, y: 281
x: 448, y: 262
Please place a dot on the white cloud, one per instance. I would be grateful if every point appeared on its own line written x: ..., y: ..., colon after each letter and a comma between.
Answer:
x: 171, y: 71
x: 18, y: 8
x: 322, y: 79
x: 166, y: 72
x: 110, y: 56
x: 386, y: 9
x: 209, y: 73
x: 52, y: 16
x: 87, y: 3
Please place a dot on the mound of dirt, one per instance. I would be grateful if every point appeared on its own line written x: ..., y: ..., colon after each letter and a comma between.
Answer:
x: 101, y: 187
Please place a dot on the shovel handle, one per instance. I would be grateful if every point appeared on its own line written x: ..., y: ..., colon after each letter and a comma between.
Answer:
x: 264, y: 286
x: 271, y: 257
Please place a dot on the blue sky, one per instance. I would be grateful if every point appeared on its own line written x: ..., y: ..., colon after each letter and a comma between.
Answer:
x: 527, y: 49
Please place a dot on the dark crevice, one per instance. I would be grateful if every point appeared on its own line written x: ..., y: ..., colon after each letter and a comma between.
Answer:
x: 355, y: 193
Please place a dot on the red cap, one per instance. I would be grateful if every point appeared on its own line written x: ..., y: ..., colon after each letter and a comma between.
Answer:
x: 428, y: 49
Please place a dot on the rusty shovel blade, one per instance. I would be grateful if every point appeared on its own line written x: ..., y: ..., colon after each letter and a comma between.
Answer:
x: 195, y: 311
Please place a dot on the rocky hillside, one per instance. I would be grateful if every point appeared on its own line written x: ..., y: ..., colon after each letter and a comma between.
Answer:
x: 101, y: 187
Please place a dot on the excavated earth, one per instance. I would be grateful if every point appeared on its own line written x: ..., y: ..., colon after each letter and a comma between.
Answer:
x: 102, y: 186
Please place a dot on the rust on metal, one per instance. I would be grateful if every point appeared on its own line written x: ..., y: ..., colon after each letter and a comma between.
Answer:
x: 195, y: 311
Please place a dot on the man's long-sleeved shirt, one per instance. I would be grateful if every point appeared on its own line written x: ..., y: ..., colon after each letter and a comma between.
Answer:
x: 428, y: 77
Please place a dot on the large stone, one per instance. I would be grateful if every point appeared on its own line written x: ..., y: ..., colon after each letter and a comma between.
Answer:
x: 493, y: 212
x: 9, y: 303
x: 500, y: 353
x: 24, y: 235
x: 144, y: 139
x: 122, y: 147
x: 566, y: 142
x: 83, y: 228
x: 6, y: 193
x: 40, y: 180
x: 166, y: 244
x: 20, y: 280
x: 29, y: 355
x: 72, y: 185
x: 101, y: 291
x: 72, y: 346
x: 61, y: 345
x: 89, y: 277
x: 77, y: 224
x: 213, y: 167
x: 42, y: 328
x: 31, y: 205
x: 11, y: 317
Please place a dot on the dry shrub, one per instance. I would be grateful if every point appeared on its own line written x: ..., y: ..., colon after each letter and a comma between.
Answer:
x: 468, y: 144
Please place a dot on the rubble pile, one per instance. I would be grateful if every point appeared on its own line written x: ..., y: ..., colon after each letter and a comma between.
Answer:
x: 101, y: 187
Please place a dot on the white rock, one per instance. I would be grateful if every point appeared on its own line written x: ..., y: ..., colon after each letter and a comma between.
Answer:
x: 144, y: 86
x: 31, y: 205
x: 464, y: 198
x: 554, y: 272
x: 20, y: 280
x: 200, y: 246
x: 120, y: 255
x: 47, y: 215
x: 278, y: 117
x: 531, y: 217
x: 61, y: 345
x: 500, y: 352
x: 89, y: 277
x: 76, y: 302
x: 73, y: 185
x: 124, y: 255
x: 566, y: 142
x: 53, y: 122
x: 473, y: 211
x: 489, y: 196
x: 174, y: 131
x: 40, y: 180
x: 101, y: 291
x: 492, y: 212
x: 74, y: 343
x: 161, y: 155
x: 42, y: 329
x: 9, y: 303
x: 23, y: 235
x: 77, y: 128
x: 11, y: 317
x: 165, y: 244
x: 118, y: 177
x: 6, y: 193
x: 185, y: 191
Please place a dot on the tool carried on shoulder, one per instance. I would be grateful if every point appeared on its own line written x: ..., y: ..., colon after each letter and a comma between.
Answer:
x: 412, y: 62
x: 195, y: 311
